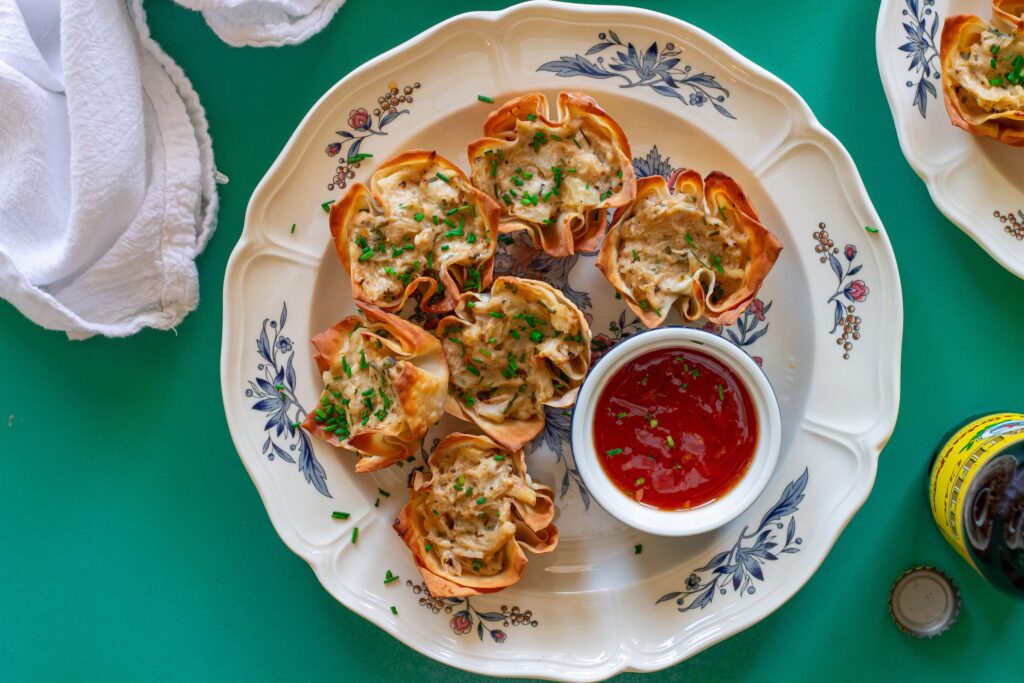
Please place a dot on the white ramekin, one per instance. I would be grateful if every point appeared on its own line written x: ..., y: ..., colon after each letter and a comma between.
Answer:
x: 677, y: 522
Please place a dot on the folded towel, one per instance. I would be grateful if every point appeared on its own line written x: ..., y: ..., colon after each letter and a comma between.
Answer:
x: 107, y: 189
x: 263, y: 23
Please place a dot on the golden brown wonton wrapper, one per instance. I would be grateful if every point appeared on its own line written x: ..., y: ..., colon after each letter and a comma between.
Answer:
x: 1008, y: 14
x: 512, y: 351
x: 700, y: 248
x: 405, y: 367
x: 961, y: 34
x: 555, y: 179
x: 469, y: 554
x: 389, y: 254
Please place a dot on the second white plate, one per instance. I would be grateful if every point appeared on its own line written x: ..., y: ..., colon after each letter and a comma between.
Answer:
x: 976, y: 182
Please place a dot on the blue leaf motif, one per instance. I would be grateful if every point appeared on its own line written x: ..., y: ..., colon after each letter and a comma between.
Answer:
x: 289, y: 374
x: 715, y: 561
x: 667, y: 92
x: 354, y: 149
x: 267, y: 405
x: 283, y: 454
x: 491, y: 616
x: 853, y: 271
x: 792, y: 496
x: 344, y: 133
x: 598, y: 48
x: 837, y: 267
x: 756, y: 335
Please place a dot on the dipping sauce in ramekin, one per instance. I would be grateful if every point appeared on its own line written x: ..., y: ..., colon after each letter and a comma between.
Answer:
x: 675, y: 429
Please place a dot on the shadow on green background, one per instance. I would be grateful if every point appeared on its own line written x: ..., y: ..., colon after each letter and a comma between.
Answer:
x: 135, y: 546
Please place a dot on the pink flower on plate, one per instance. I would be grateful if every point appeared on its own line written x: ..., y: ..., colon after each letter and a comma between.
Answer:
x: 600, y: 345
x: 461, y: 624
x: 713, y: 328
x: 757, y: 308
x: 359, y: 119
x: 857, y: 291
x: 333, y: 149
x: 499, y: 636
x: 758, y: 360
x: 850, y: 251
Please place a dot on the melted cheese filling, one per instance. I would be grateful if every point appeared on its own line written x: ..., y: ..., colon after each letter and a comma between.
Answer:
x: 467, y: 514
x: 359, y: 391
x: 427, y: 224
x: 668, y: 244
x: 544, y: 173
x: 505, y: 364
x: 984, y: 72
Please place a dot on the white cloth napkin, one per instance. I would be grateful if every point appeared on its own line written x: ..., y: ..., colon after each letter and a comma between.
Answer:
x: 265, y: 23
x: 107, y: 189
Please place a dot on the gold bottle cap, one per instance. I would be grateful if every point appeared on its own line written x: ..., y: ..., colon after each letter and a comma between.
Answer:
x: 924, y: 602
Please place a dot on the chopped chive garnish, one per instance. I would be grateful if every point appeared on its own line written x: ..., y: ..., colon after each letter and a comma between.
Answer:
x: 355, y: 534
x: 293, y: 228
x: 442, y: 176
x: 389, y: 577
x: 721, y: 392
x: 619, y: 416
x: 614, y: 451
x: 636, y: 256
x: 531, y: 117
x: 418, y: 217
x: 444, y: 247
x: 366, y: 255
x: 670, y: 441
x: 499, y: 458
x: 481, y: 500
x: 638, y: 548
x: 376, y: 503
x: 641, y: 481
x: 358, y: 157
x: 536, y: 337
x: 653, y: 422
x: 326, y: 206
x: 340, y: 515
x: 384, y: 493
x: 471, y: 238
x: 428, y: 547
x: 496, y: 314
x: 870, y: 229
x: 485, y: 98
x: 368, y: 392
x: 394, y: 610
x: 514, y: 334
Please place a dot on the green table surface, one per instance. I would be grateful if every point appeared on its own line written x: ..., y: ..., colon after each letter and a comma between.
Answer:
x: 134, y: 545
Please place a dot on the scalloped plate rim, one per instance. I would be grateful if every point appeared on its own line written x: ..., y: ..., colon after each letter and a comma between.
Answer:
x: 883, y: 50
x: 866, y: 446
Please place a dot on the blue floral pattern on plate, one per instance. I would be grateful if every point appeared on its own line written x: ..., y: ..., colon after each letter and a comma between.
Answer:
x: 274, y: 390
x: 922, y: 50
x: 659, y: 69
x: 743, y: 564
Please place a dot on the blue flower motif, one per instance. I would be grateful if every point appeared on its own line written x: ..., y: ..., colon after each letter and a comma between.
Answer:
x: 742, y: 565
x: 661, y: 70
x: 284, y: 344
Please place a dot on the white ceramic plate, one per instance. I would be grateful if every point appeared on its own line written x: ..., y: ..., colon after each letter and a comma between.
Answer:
x: 594, y: 607
x: 976, y: 182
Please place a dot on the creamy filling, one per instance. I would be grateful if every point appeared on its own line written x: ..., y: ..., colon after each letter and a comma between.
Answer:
x: 467, y: 514
x: 667, y: 245
x: 505, y: 364
x: 544, y: 173
x: 427, y: 225
x: 359, y: 391
x: 990, y: 72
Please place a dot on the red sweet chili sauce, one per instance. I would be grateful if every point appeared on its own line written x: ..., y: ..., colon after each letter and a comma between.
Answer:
x: 675, y: 429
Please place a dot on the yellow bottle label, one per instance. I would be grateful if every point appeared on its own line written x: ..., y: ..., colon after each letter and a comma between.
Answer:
x: 959, y: 461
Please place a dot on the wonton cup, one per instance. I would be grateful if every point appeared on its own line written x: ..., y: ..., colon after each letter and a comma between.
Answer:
x: 549, y: 341
x: 519, y: 516
x: 517, y: 160
x: 439, y: 189
x: 396, y: 359
x: 1008, y: 14
x: 960, y: 34
x: 710, y: 221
